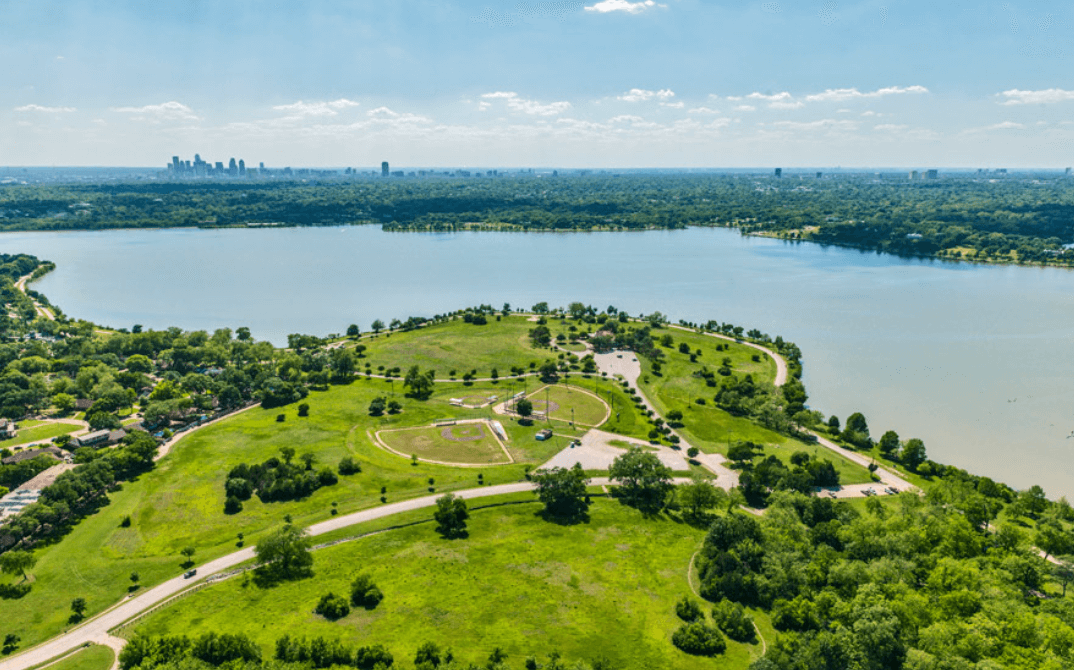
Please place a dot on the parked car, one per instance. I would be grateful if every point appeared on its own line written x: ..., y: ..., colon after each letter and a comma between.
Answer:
x: 190, y: 573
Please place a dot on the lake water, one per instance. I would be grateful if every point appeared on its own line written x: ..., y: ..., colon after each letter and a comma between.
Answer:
x: 977, y: 361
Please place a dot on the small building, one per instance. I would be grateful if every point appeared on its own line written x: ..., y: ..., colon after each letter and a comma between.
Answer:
x: 8, y: 429
x: 82, y: 404
x: 95, y: 439
x: 545, y: 434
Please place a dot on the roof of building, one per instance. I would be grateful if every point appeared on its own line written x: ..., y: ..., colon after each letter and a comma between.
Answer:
x: 83, y: 403
x: 33, y: 453
x: 93, y: 437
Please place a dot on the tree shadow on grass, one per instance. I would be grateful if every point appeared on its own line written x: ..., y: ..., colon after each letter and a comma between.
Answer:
x: 575, y: 519
x: 267, y: 576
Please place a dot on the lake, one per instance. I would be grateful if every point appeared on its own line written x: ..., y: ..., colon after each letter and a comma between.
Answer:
x: 975, y: 360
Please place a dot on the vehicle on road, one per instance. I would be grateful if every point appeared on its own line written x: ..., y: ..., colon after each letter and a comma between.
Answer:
x: 190, y: 573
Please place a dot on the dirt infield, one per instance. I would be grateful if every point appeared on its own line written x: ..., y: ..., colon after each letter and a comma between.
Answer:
x: 471, y: 443
x: 466, y: 433
x: 542, y: 407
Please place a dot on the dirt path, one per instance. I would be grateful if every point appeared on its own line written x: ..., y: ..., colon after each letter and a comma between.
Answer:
x: 781, y: 365
x: 41, y: 311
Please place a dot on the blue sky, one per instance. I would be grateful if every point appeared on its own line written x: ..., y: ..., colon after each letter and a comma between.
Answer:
x: 599, y: 83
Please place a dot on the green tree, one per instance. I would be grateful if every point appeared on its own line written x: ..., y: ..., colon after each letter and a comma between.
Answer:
x: 17, y: 563
x: 562, y: 491
x: 378, y: 326
x: 378, y: 406
x: 698, y: 496
x: 420, y: 385
x: 78, y: 607
x: 188, y: 553
x: 524, y: 408
x: 889, y: 444
x: 332, y: 607
x: 352, y: 330
x: 913, y: 454
x: 643, y: 480
x: 285, y: 554
x: 364, y: 593
x: 451, y: 515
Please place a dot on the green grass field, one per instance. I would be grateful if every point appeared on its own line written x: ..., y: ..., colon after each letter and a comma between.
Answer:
x: 37, y: 431
x: 562, y: 399
x: 472, y: 443
x: 94, y: 657
x: 518, y: 582
x: 460, y: 346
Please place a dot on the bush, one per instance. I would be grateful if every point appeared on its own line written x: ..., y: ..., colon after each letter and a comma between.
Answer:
x: 333, y: 607
x: 326, y: 477
x: 348, y: 466
x: 126, y: 523
x: 698, y: 639
x: 280, y: 418
x: 733, y: 620
x: 364, y: 593
x: 366, y: 658
x: 232, y: 505
x: 692, y: 452
x: 688, y: 610
x: 304, y: 409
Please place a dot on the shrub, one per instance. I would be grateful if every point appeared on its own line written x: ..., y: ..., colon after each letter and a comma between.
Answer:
x: 698, y: 639
x: 733, y: 620
x: 364, y: 593
x: 280, y: 418
x: 692, y: 452
x: 688, y: 610
x: 126, y: 523
x: 349, y: 466
x: 326, y: 477
x: 333, y: 607
x: 367, y: 658
x: 232, y: 505
x: 304, y: 409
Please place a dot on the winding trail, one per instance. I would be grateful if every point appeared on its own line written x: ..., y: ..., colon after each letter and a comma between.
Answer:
x: 97, y: 629
x: 41, y: 311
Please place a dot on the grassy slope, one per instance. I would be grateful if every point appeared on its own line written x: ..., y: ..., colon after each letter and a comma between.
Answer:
x: 95, y: 657
x: 36, y: 431
x: 706, y: 426
x: 518, y: 582
x: 457, y: 345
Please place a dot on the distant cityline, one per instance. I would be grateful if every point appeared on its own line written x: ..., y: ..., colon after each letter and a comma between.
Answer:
x: 200, y: 168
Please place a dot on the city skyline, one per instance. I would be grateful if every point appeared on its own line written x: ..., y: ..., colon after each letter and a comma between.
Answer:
x: 596, y: 84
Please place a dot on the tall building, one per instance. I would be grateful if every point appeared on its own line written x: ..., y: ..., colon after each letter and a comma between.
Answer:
x: 779, y: 173
x: 913, y: 175
x: 819, y: 175
x: 242, y: 168
x: 932, y: 174
x: 1068, y: 172
x: 384, y: 172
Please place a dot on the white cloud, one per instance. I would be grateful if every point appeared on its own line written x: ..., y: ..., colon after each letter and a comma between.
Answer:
x: 841, y: 94
x: 41, y: 108
x: 745, y: 108
x: 625, y: 118
x: 789, y: 104
x: 702, y: 110
x: 1043, y: 97
x: 1006, y: 125
x: 673, y: 105
x: 775, y: 97
x: 167, y: 111
x: 382, y: 112
x: 822, y: 124
x: 525, y: 106
x: 642, y: 95
x: 302, y: 108
x: 607, y: 6
x: 890, y: 126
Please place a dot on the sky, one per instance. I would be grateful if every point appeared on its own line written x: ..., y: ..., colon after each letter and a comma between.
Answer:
x: 561, y: 83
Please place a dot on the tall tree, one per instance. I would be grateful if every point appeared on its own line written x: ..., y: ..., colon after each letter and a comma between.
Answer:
x: 285, y: 553
x: 563, y: 491
x: 451, y: 515
x: 644, y: 481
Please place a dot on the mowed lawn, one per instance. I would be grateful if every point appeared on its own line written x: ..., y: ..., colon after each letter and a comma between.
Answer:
x: 459, y: 346
x: 180, y: 503
x: 472, y: 443
x: 37, y: 431
x: 606, y: 588
x: 587, y: 409
x: 94, y: 657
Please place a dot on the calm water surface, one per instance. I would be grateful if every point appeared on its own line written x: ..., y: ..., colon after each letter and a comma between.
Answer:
x: 975, y: 360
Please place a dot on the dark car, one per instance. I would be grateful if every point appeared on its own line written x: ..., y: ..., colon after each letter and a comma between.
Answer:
x: 190, y: 573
